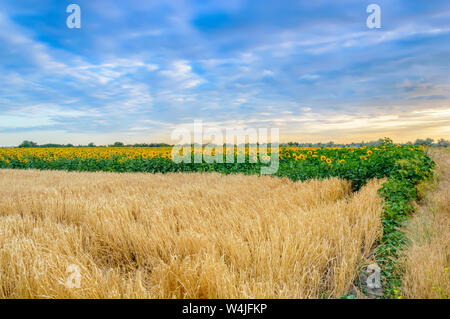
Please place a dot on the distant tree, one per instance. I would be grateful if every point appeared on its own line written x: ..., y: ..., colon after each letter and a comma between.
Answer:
x: 427, y: 141
x: 379, y: 142
x: 91, y: 144
x: 51, y: 145
x: 443, y: 143
x: 118, y: 144
x: 28, y: 144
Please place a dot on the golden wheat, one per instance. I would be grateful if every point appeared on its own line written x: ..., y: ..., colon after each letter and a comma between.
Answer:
x: 427, y: 260
x: 182, y: 235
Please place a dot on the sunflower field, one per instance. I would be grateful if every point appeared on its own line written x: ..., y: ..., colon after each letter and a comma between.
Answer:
x: 357, y: 165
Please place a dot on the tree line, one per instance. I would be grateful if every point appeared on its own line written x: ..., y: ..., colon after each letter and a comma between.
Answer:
x: 425, y: 142
x: 116, y: 144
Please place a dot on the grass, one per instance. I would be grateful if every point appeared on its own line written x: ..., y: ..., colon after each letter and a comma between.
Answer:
x: 187, y: 235
x: 427, y: 259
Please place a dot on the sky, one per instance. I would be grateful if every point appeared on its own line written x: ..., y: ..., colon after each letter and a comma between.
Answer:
x: 137, y: 70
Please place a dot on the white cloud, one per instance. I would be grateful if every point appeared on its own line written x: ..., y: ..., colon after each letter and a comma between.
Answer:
x: 309, y: 77
x: 181, y: 72
x: 267, y: 73
x: 17, y: 121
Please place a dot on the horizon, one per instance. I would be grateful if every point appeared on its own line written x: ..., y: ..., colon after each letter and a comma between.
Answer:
x: 136, y: 71
x: 162, y: 144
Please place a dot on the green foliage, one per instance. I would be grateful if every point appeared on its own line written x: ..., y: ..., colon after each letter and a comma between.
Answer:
x: 28, y: 144
x: 117, y: 144
x: 399, y: 191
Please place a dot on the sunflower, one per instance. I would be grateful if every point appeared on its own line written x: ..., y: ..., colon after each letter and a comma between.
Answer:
x: 323, y: 157
x: 362, y: 157
x: 369, y: 152
x: 329, y: 160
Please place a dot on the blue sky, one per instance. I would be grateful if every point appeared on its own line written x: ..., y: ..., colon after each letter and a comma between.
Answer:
x: 136, y: 70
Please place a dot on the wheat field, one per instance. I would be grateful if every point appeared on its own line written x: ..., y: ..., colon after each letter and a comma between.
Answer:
x: 182, y: 235
x: 427, y: 258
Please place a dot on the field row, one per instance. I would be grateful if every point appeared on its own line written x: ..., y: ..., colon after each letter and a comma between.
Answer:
x: 355, y: 164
